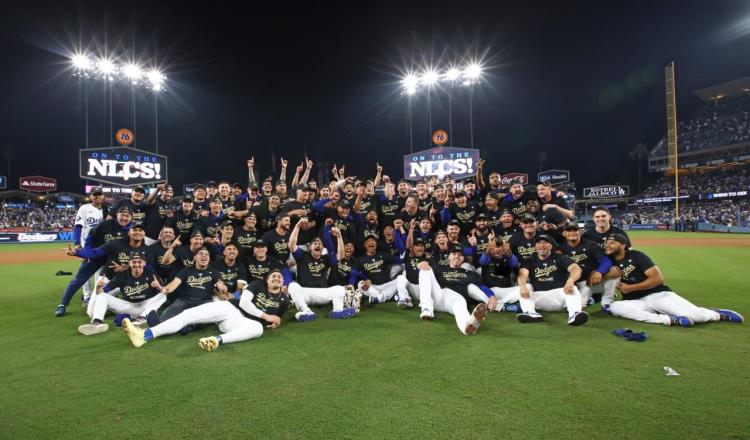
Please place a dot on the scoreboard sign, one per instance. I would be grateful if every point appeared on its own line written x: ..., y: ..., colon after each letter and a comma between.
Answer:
x: 122, y: 166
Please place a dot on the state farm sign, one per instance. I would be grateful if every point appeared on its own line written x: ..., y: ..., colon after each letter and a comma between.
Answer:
x: 123, y: 166
x: 507, y: 179
x: 37, y: 183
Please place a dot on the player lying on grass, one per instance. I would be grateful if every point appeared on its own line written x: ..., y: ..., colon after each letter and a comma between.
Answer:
x: 445, y: 289
x: 646, y: 298
x: 553, y: 278
x: 240, y: 317
x: 141, y: 295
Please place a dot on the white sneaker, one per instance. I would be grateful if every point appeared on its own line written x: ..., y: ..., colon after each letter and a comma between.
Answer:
x: 305, y: 316
x: 134, y: 333
x: 404, y: 303
x: 92, y: 329
x: 210, y: 343
x: 477, y: 317
x: 357, y: 300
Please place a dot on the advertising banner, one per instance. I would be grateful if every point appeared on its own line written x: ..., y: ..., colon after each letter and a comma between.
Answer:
x: 122, y: 166
x: 554, y: 177
x: 37, y: 183
x: 606, y: 191
x: 458, y: 163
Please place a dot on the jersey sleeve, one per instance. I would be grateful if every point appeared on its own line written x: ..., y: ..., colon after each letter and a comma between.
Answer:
x: 183, y: 274
x: 565, y: 261
x: 643, y: 261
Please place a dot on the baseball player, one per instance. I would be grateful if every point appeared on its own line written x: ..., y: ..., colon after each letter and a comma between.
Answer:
x: 407, y: 283
x: 239, y: 319
x: 444, y: 289
x: 107, y: 230
x: 522, y: 242
x: 260, y: 264
x: 158, y: 210
x: 497, y: 263
x: 311, y: 287
x: 646, y: 298
x: 233, y: 273
x: 87, y: 217
x: 374, y: 270
x: 603, y: 228
x: 597, y: 276
x: 135, y: 204
x: 184, y: 219
x: 553, y: 278
x: 140, y: 290
x: 277, y: 239
x: 196, y: 283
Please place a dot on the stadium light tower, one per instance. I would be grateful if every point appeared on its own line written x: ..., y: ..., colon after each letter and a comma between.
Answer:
x: 410, y: 83
x: 452, y: 76
x: 430, y: 79
x: 472, y: 74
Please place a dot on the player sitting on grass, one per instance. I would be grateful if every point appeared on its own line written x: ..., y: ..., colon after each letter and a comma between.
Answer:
x: 141, y: 295
x: 240, y: 317
x: 646, y: 298
x: 445, y: 289
x: 311, y: 287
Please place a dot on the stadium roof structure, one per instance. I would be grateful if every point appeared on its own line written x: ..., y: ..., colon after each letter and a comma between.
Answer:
x: 728, y: 89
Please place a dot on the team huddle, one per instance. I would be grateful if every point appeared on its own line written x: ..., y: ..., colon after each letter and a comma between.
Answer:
x: 241, y: 256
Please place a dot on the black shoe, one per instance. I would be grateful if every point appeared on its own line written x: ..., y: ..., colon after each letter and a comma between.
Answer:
x: 526, y: 318
x: 579, y: 318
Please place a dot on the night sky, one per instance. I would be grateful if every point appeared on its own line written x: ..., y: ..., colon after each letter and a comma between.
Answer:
x: 581, y: 81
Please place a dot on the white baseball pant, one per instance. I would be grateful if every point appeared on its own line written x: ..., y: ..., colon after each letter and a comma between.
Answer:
x: 89, y: 287
x: 381, y: 292
x: 606, y: 288
x: 405, y: 288
x: 304, y: 297
x: 104, y: 301
x: 656, y: 307
x: 233, y: 325
x: 555, y: 300
x: 504, y: 295
x: 433, y: 298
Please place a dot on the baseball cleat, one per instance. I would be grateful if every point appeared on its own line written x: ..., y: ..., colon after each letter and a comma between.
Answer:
x: 60, y: 311
x: 426, y: 315
x: 605, y: 309
x: 85, y: 301
x: 357, y: 300
x: 92, y: 329
x: 134, y: 333
x: 348, y: 296
x: 404, y: 303
x: 477, y: 317
x: 579, y: 318
x: 341, y: 314
x: 512, y: 308
x: 305, y: 316
x: 526, y: 318
x: 210, y: 343
x: 729, y: 315
x: 680, y: 321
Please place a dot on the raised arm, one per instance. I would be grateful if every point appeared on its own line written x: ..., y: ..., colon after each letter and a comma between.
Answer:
x: 480, y: 175
x: 250, y: 172
x: 282, y: 175
x: 378, y: 175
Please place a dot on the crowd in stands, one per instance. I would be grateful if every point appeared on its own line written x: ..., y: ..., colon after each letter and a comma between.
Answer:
x: 726, y: 212
x: 724, y: 122
x: 730, y: 180
x: 36, y: 217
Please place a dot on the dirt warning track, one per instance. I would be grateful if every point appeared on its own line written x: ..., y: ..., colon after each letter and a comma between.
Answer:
x: 44, y: 256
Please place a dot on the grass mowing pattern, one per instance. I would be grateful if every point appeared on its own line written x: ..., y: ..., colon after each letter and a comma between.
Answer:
x: 384, y: 374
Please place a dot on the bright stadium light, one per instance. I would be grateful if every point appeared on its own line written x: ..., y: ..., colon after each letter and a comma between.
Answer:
x: 411, y: 91
x: 411, y: 81
x: 106, y: 66
x: 81, y: 62
x: 132, y: 72
x: 473, y: 71
x: 453, y: 74
x: 156, y: 79
x: 430, y: 77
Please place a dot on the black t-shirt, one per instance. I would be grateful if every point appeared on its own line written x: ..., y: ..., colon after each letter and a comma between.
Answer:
x: 587, y: 255
x: 410, y: 263
x: 133, y: 289
x: 504, y: 233
x: 346, y: 226
x: 200, y: 206
x: 388, y: 211
x: 465, y: 216
x: 183, y: 224
x: 516, y: 206
x: 425, y: 204
x: 118, y: 251
x: 311, y: 271
x: 633, y: 269
x: 269, y: 303
x: 186, y: 258
x: 548, y: 274
x: 278, y: 245
x: 551, y: 215
x: 339, y: 275
x: 439, y: 257
x: 493, y: 218
x: 257, y: 270
x: 156, y: 215
x: 106, y: 231
x: 210, y: 225
x: 456, y: 279
x: 304, y: 237
x: 522, y: 247
x: 230, y: 275
x: 266, y: 217
x: 138, y: 210
x: 165, y: 272
x: 428, y: 237
x: 369, y: 203
x: 375, y: 268
x: 246, y: 240
x: 556, y: 200
x: 497, y: 272
x: 601, y: 237
x: 197, y: 284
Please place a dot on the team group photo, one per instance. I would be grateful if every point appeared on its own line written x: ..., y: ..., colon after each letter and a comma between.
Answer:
x: 412, y: 221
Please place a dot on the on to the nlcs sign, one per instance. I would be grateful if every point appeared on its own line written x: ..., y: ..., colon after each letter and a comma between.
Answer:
x: 458, y: 163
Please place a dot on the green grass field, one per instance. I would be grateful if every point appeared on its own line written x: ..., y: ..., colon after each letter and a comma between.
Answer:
x: 384, y: 374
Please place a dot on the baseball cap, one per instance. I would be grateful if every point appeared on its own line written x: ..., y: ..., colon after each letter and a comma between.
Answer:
x: 96, y: 191
x: 344, y: 204
x: 226, y: 223
x: 259, y: 243
x: 168, y: 187
x: 545, y: 237
x: 199, y: 186
x: 457, y: 248
x: 370, y: 236
x: 139, y: 189
x: 125, y: 210
x: 236, y: 185
x: 211, y: 184
x: 253, y: 186
x: 136, y: 255
x: 454, y: 223
x: 187, y: 199
x: 216, y: 199
x: 418, y: 241
x: 528, y: 218
x: 619, y: 238
x: 138, y: 226
x: 301, y: 187
x: 570, y: 226
x: 195, y: 233
x: 203, y: 248
x: 459, y: 194
x: 469, y: 181
x: 480, y: 216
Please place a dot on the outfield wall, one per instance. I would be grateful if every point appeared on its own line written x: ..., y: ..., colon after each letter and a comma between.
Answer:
x: 35, y: 237
x: 711, y: 227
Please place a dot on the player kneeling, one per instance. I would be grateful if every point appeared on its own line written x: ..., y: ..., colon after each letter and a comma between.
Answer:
x: 646, y: 298
x: 553, y: 278
x: 439, y: 291
x: 141, y: 291
x: 239, y: 318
